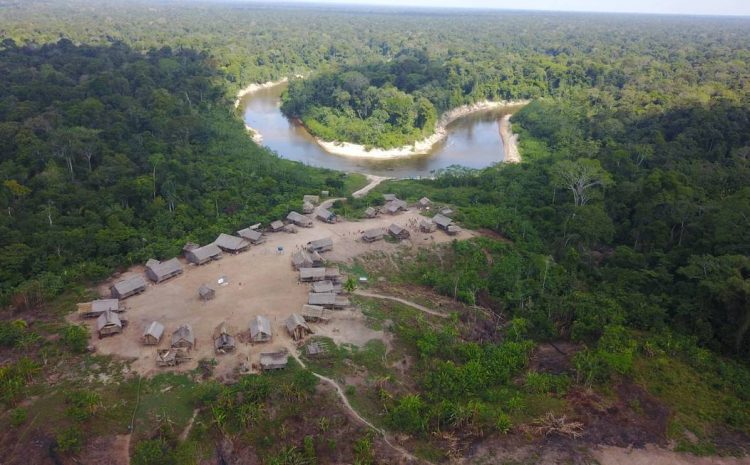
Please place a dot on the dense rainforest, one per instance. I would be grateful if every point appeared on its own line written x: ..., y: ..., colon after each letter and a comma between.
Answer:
x: 395, y: 103
x: 624, y: 231
x: 110, y: 157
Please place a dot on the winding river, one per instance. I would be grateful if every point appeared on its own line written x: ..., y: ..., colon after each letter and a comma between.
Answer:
x: 473, y: 141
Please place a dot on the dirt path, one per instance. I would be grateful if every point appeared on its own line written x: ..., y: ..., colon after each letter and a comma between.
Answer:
x: 188, y: 427
x: 326, y: 204
x: 356, y: 414
x: 124, y: 449
x: 400, y: 300
x: 374, y: 181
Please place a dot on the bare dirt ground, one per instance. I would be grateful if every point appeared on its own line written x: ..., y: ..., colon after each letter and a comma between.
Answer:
x: 652, y: 455
x: 261, y: 282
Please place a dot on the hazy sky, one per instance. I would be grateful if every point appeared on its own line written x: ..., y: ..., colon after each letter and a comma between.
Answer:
x: 700, y: 7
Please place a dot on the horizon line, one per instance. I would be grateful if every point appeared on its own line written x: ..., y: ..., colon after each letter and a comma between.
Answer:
x: 373, y: 4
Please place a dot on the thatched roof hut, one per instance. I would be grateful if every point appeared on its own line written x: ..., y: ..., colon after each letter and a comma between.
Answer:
x: 153, y: 333
x: 231, y: 244
x: 276, y: 226
x: 128, y: 287
x: 442, y: 221
x: 427, y: 225
x: 108, y: 323
x: 372, y: 235
x: 260, y: 329
x: 320, y: 245
x: 313, y: 199
x: 323, y: 286
x: 326, y: 216
x: 96, y: 307
x: 297, y: 327
x: 398, y: 232
x: 424, y: 202
x: 453, y: 229
x: 300, y: 220
x: 274, y: 360
x: 252, y: 235
x: 314, y: 313
x: 183, y: 337
x: 206, y: 293
x: 203, y: 255
x: 307, y: 208
x: 223, y: 342
x: 161, y: 271
x: 312, y: 274
x: 327, y: 300
x: 395, y: 206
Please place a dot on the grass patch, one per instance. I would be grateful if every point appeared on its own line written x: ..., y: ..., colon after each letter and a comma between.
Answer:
x: 354, y: 182
x: 355, y: 268
x: 344, y: 360
x: 167, y: 396
x: 699, y: 405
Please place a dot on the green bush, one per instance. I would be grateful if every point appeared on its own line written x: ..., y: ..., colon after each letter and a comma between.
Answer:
x: 13, y: 379
x: 409, y: 414
x: 305, y: 382
x: 309, y: 450
x: 82, y: 405
x: 76, y: 338
x: 503, y: 423
x: 11, y: 332
x: 153, y: 452
x: 70, y: 440
x: 545, y: 383
x: 363, y: 454
x: 18, y: 417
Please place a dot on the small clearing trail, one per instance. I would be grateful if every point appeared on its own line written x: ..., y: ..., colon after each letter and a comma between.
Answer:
x: 124, y: 451
x: 421, y: 308
x: 510, y: 141
x: 188, y: 427
x: 374, y: 181
x: 406, y: 454
x: 326, y: 204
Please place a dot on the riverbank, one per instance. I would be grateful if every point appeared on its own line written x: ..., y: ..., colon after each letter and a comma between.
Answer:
x: 510, y: 141
x: 255, y: 135
x: 420, y: 147
x: 252, y: 88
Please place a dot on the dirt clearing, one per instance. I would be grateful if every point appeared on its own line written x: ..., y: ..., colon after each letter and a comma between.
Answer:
x: 652, y: 455
x: 261, y: 281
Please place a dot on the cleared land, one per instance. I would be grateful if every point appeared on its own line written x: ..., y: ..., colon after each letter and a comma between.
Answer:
x: 261, y: 282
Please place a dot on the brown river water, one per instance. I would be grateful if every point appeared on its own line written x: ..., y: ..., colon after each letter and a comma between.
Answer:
x: 473, y: 141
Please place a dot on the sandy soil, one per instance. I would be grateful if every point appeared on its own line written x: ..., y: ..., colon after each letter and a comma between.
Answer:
x: 419, y: 147
x: 374, y: 182
x: 261, y: 281
x: 652, y: 455
x: 255, y: 88
x: 510, y: 141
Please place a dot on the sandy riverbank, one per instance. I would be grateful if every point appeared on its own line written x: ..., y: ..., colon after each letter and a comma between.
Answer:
x: 252, y: 88
x: 510, y: 141
x: 420, y: 147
